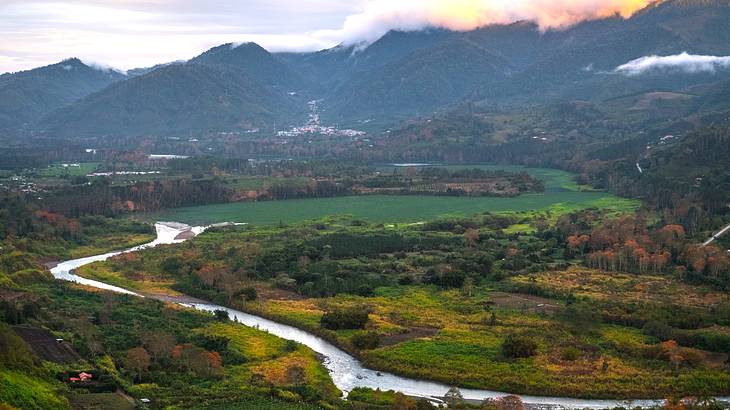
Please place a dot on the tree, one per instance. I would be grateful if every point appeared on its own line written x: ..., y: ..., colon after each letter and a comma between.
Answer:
x: 138, y: 361
x: 468, y: 287
x: 454, y: 399
x: 403, y: 402
x: 368, y: 340
x: 352, y: 318
x: 516, y: 346
x: 158, y: 344
x: 221, y: 315
x: 471, y: 236
x: 198, y: 360
x: 503, y: 403
x: 673, y: 353
x: 248, y: 294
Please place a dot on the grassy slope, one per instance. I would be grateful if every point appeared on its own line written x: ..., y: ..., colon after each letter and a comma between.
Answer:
x: 29, y: 392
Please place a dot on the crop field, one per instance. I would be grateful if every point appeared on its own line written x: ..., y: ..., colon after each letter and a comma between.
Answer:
x: 561, y: 195
x: 388, y: 209
x: 45, y: 346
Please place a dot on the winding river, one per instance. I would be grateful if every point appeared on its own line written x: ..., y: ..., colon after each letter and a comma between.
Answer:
x: 346, y: 371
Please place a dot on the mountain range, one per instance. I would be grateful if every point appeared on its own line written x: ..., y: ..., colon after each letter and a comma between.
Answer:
x: 243, y: 87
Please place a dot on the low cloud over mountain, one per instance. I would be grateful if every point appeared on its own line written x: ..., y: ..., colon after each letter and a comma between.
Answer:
x: 684, y: 63
x: 379, y: 16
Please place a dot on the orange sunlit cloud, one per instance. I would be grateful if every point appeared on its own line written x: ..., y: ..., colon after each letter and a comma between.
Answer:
x: 378, y: 16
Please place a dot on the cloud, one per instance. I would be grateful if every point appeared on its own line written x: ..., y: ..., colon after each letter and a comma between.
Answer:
x: 376, y: 17
x: 135, y: 33
x: 683, y: 63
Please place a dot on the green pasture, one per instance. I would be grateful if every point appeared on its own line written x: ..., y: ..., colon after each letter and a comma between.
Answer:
x: 68, y: 169
x: 561, y: 195
x: 389, y: 209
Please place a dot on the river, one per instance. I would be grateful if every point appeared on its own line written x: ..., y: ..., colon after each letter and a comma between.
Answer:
x: 346, y: 371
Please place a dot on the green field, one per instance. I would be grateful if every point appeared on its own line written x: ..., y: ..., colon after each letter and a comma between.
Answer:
x: 554, y: 179
x: 561, y: 195
x: 71, y: 170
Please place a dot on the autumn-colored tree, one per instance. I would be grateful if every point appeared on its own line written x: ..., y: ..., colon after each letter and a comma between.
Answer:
x: 214, y: 364
x: 138, y: 361
x: 503, y: 403
x: 198, y: 360
x: 673, y: 353
x: 471, y: 236
x: 158, y: 344
x: 209, y: 275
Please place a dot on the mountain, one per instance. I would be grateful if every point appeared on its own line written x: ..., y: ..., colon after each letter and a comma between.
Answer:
x: 584, y: 54
x: 28, y: 95
x: 421, y: 82
x: 335, y: 66
x: 401, y: 75
x: 135, y: 72
x: 257, y: 63
x: 177, y: 99
x: 526, y: 65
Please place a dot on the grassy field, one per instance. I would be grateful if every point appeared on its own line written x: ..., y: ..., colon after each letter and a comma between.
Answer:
x: 554, y: 179
x: 60, y: 170
x: 561, y: 195
x: 390, y: 209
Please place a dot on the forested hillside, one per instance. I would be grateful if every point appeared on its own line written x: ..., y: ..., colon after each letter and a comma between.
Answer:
x: 28, y: 95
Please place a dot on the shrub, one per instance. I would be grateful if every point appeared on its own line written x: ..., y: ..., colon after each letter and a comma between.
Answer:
x: 352, y: 318
x: 515, y: 346
x: 366, y: 341
x: 571, y: 354
x: 221, y: 315
x: 249, y: 294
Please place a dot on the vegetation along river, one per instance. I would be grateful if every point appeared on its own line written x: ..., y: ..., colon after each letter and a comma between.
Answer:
x: 346, y: 371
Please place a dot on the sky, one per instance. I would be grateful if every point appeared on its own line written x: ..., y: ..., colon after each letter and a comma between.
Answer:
x: 126, y: 34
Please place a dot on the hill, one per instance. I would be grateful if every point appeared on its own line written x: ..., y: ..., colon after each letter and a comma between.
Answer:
x: 28, y: 95
x: 176, y: 99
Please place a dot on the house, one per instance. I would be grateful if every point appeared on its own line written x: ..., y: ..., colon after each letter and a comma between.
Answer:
x: 83, y: 377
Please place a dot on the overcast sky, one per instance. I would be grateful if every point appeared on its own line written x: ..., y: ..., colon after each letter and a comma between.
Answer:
x: 136, y: 33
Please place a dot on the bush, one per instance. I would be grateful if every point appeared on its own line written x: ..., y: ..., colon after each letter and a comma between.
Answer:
x: 366, y: 341
x: 571, y: 354
x: 515, y: 346
x: 248, y: 294
x: 221, y: 315
x: 352, y: 318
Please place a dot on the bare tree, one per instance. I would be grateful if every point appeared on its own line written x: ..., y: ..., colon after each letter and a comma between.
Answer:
x: 138, y: 361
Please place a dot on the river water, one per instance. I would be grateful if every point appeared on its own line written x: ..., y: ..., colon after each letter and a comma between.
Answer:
x: 346, y: 371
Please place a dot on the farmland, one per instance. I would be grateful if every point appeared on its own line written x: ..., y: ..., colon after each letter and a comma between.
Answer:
x: 561, y: 195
